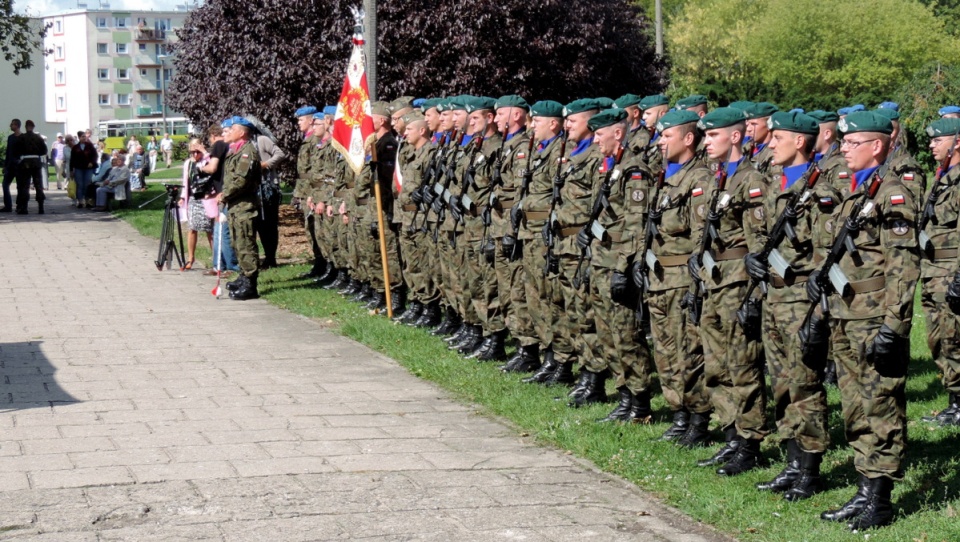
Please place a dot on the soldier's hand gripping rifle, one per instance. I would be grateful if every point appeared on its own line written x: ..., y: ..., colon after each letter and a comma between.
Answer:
x: 442, y: 189
x: 829, y: 278
x: 593, y: 229
x: 552, y: 263
x: 462, y: 203
x: 434, y: 176
x: 930, y: 207
x: 648, y: 260
x: 710, y: 235
x: 489, y: 250
x: 511, y: 242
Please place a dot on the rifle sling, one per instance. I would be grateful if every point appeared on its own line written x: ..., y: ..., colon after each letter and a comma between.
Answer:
x: 944, y: 254
x: 673, y: 261
x: 869, y: 285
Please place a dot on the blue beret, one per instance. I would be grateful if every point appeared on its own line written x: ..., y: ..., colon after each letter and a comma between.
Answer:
x: 318, y: 115
x: 330, y: 110
x: 851, y: 109
x: 797, y: 110
x: 305, y: 110
x: 889, y: 105
x: 418, y: 102
x: 227, y: 123
x: 242, y: 122
x: 949, y: 110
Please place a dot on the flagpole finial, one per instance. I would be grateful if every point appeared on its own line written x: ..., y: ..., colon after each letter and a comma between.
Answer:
x: 358, y: 15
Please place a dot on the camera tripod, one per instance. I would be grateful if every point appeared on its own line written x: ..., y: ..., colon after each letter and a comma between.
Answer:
x: 168, y: 247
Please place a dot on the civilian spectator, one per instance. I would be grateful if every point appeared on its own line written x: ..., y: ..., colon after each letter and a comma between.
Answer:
x: 139, y: 169
x: 56, y: 156
x: 132, y: 146
x: 115, y: 183
x: 226, y: 259
x: 198, y: 199
x: 166, y: 147
x: 152, y: 149
x: 83, y: 162
x: 10, y: 164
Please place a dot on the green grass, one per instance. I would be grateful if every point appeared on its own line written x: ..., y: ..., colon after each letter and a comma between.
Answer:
x: 927, y: 501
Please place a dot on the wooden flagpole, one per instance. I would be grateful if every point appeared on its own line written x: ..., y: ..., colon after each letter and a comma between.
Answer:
x: 382, y: 226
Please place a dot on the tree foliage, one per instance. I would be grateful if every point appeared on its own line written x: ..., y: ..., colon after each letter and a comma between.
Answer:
x: 269, y: 57
x: 19, y: 39
x: 932, y: 87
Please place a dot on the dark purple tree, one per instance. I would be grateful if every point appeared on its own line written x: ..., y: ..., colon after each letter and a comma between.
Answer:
x: 269, y: 57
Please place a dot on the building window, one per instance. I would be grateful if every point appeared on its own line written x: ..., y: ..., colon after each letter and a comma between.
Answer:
x: 103, y: 74
x: 120, y: 22
x: 122, y: 48
x: 58, y: 52
x: 61, y: 102
x: 123, y: 99
x: 101, y: 48
x: 143, y: 47
x: 61, y: 77
x: 144, y: 98
x: 101, y: 22
x: 123, y: 73
x: 143, y: 72
x: 58, y: 26
x: 103, y: 99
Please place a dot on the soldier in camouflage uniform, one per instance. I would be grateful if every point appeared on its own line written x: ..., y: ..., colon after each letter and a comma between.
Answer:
x: 241, y: 182
x: 939, y: 242
x: 796, y: 374
x: 903, y: 164
x: 638, y: 136
x: 654, y: 107
x: 322, y: 170
x: 873, y: 319
x: 758, y: 152
x: 733, y: 376
x: 304, y: 162
x: 678, y: 352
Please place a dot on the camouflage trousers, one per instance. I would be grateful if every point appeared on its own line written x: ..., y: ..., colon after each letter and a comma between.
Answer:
x: 571, y: 312
x: 370, y: 254
x: 536, y: 292
x: 618, y: 336
x: 309, y: 225
x: 243, y: 235
x: 943, y: 331
x: 510, y: 278
x: 799, y: 396
x: 451, y: 262
x: 733, y: 374
x: 416, y: 252
x: 873, y: 403
x: 488, y: 304
x: 345, y: 251
x: 471, y: 276
x: 677, y: 352
x: 326, y: 233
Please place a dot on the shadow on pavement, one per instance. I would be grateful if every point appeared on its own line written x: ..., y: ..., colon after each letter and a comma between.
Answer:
x: 28, y: 378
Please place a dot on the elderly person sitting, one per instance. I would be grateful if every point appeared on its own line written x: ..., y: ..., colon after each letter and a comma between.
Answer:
x: 118, y: 177
x: 139, y: 169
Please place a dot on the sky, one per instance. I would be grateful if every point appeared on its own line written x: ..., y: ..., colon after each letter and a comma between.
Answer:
x: 37, y: 8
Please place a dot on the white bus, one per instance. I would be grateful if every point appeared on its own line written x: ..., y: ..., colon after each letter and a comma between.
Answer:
x: 143, y: 127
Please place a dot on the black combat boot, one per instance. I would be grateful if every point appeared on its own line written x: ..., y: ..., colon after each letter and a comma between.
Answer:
x: 622, y: 412
x: 789, y: 474
x: 329, y: 275
x: 236, y: 283
x: 698, y: 432
x: 747, y: 457
x: 472, y: 341
x: 486, y: 343
x: 546, y: 369
x: 365, y: 294
x: 681, y: 422
x: 414, y: 308
x: 316, y: 271
x: 948, y: 414
x: 40, y: 207
x: 377, y: 301
x: 594, y: 392
x: 352, y: 287
x: 246, y: 291
x: 496, y: 350
x: 809, y: 483
x: 562, y: 375
x: 851, y: 508
x: 429, y: 317
x: 726, y: 452
x: 830, y: 373
x: 450, y: 323
x: 525, y: 360
x: 342, y: 280
x: 581, y: 384
x: 878, y: 510
x: 640, y: 411
x: 457, y: 333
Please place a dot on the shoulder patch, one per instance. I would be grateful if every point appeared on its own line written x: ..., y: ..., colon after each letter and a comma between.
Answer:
x: 696, y: 192
x: 897, y: 199
x: 826, y: 200
x: 755, y: 193
x: 521, y: 155
x: 908, y: 176
x: 844, y: 175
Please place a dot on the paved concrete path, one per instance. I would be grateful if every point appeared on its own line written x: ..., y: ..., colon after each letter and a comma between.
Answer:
x: 135, y: 406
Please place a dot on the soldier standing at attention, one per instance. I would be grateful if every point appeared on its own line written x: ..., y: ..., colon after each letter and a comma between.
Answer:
x: 678, y: 352
x: 31, y: 149
x: 323, y: 172
x: 873, y: 318
x: 903, y: 164
x: 301, y: 190
x: 731, y: 348
x: 241, y: 181
x: 638, y: 137
x: 654, y: 107
x: 757, y: 116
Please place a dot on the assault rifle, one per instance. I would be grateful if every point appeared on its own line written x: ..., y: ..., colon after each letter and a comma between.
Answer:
x: 462, y: 203
x: 930, y: 207
x: 442, y: 189
x: 593, y: 227
x: 548, y: 234
x: 710, y: 234
x: 496, y: 179
x: 434, y: 174
x: 648, y: 260
x: 527, y: 177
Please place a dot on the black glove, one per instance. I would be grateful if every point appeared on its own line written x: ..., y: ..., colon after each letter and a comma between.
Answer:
x: 656, y: 215
x: 584, y: 238
x: 619, y: 286
x: 553, y: 264
x: 885, y: 344
x: 636, y: 273
x: 417, y: 196
x: 813, y: 289
x: 455, y: 211
x: 429, y: 196
x: 546, y: 233
x: 374, y: 230
x: 693, y: 266
x: 694, y: 306
x: 507, y: 245
x: 516, y: 215
x: 756, y: 267
x: 953, y: 294
x: 748, y: 315
x: 437, y: 205
x: 489, y: 250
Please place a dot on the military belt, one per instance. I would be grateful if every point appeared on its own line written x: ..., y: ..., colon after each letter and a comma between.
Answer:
x: 351, y: 185
x: 731, y: 254
x: 362, y: 201
x: 507, y: 203
x: 537, y: 215
x: 479, y: 211
x: 944, y: 254
x: 869, y: 285
x: 410, y: 207
x: 778, y: 282
x: 340, y: 193
x: 568, y: 232
x: 30, y: 156
x: 673, y: 261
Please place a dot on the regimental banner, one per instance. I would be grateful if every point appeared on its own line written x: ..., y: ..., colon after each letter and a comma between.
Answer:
x: 352, y: 124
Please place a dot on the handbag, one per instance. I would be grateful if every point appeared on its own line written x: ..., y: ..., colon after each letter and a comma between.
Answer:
x: 72, y: 189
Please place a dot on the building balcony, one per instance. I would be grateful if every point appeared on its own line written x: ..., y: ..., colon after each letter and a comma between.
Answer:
x: 147, y: 111
x: 147, y: 86
x: 145, y: 61
x: 150, y: 34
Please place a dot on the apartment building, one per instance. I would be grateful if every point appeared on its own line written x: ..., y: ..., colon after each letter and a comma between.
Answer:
x: 108, y: 65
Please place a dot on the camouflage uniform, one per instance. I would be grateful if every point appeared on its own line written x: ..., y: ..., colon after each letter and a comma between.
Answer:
x: 906, y: 167
x: 479, y: 278
x: 304, y: 188
x: 414, y: 247
x: 344, y: 183
x: 368, y: 233
x: 322, y: 171
x: 241, y: 183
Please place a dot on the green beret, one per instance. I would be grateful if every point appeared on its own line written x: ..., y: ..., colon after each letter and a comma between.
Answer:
x: 604, y: 103
x: 865, y: 121
x: 431, y: 103
x: 627, y: 100
x: 607, y: 117
x: 653, y: 101
x: 794, y: 121
x: 479, y: 103
x: 891, y: 114
x: 458, y: 103
x: 943, y: 127
x: 579, y: 106
x: 402, y: 102
x: 740, y: 104
x: 512, y: 100
x: 721, y: 118
x: 760, y: 110
x: 547, y: 108
x: 380, y: 108
x: 822, y: 116
x: 692, y: 100
x: 413, y: 116
x: 676, y: 118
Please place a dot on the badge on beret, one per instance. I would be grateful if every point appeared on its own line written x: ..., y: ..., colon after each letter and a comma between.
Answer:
x: 897, y: 199
x: 696, y: 192
x: 901, y: 227
x: 842, y: 125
